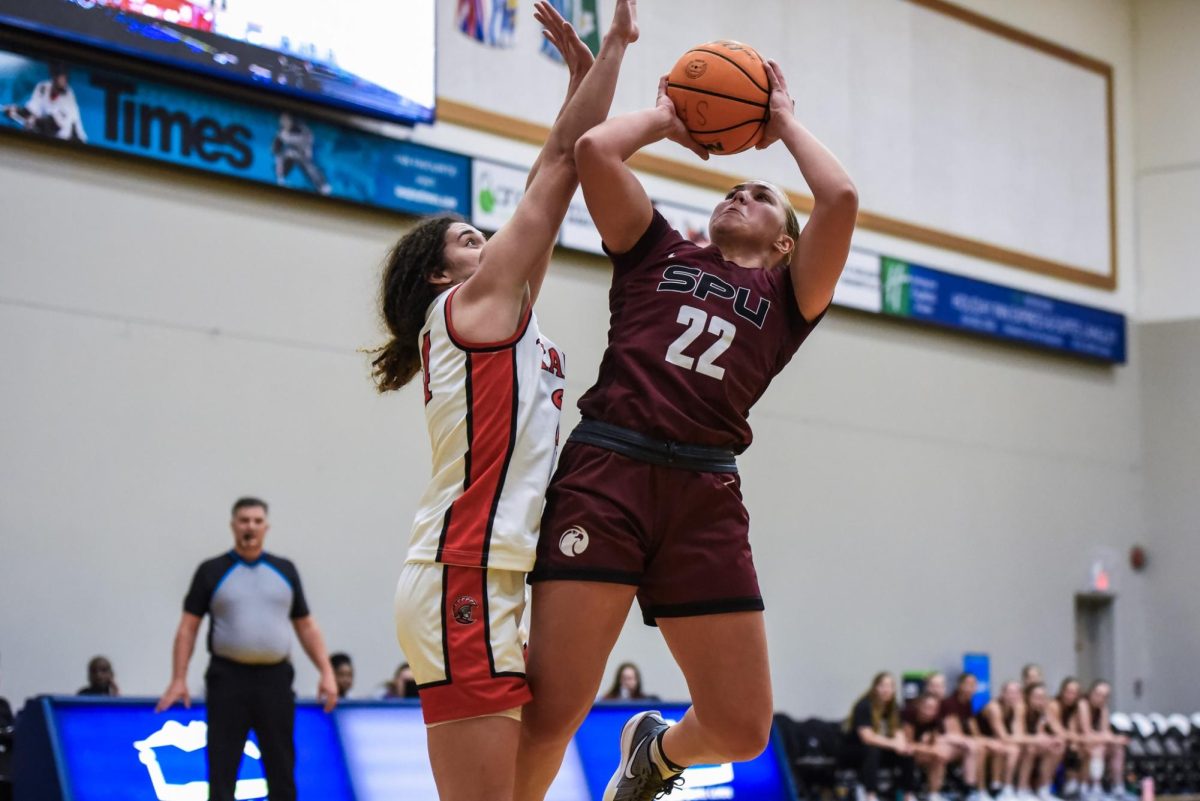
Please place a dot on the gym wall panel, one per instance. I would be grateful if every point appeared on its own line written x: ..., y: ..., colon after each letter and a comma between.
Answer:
x: 1172, y: 532
x: 170, y: 341
x: 1168, y: 159
x: 967, y: 132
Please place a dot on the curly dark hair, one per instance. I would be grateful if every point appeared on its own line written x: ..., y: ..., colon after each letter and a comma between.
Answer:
x: 404, y: 295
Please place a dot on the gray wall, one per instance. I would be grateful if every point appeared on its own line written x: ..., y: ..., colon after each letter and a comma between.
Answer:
x: 170, y: 342
x: 1171, y: 417
x: 1167, y: 68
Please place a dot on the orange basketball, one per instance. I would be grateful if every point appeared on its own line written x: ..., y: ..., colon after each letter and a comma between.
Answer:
x: 721, y: 92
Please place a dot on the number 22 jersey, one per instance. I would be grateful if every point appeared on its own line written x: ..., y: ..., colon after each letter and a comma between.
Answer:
x: 693, y: 341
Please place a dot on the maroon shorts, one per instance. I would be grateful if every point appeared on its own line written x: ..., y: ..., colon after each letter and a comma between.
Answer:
x: 680, y: 537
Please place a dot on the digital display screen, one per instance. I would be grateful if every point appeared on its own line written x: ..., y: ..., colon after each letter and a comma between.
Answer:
x: 388, y: 759
x: 121, y: 750
x: 125, y: 751
x: 365, y: 56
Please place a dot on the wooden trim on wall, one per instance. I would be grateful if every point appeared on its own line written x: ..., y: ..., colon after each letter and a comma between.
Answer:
x: 468, y: 116
x: 1016, y: 35
x: 1103, y: 69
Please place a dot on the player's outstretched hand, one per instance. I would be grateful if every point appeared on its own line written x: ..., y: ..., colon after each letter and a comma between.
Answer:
x: 624, y: 24
x: 566, y: 41
x: 781, y: 105
x: 678, y: 133
x: 176, y: 691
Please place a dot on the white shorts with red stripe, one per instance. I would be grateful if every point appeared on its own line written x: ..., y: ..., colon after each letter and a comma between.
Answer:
x: 459, y: 628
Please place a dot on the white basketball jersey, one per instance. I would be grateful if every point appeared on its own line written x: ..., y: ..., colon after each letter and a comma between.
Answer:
x: 492, y: 411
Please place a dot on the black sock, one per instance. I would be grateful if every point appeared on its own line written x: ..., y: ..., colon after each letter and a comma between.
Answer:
x: 661, y: 760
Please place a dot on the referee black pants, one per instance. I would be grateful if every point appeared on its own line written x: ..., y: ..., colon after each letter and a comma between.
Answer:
x: 244, y: 697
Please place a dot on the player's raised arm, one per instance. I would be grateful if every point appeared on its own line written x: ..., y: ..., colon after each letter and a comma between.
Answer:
x: 490, y: 303
x: 824, y: 243
x: 618, y: 203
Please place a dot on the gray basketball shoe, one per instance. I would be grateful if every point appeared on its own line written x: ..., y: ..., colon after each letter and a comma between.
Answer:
x: 637, y: 777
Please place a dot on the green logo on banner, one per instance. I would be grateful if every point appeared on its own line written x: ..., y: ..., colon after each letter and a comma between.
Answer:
x: 897, y: 297
x: 587, y: 25
x: 487, y: 200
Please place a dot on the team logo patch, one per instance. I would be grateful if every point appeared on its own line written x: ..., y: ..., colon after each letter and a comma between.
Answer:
x: 573, y: 541
x: 695, y: 68
x: 464, y: 609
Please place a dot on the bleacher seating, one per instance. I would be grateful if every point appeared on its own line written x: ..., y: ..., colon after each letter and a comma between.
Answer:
x: 1165, y: 748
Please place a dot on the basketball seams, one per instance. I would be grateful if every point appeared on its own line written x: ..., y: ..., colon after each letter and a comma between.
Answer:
x: 736, y: 66
x: 685, y: 88
x: 729, y: 101
x: 748, y: 141
x: 706, y: 131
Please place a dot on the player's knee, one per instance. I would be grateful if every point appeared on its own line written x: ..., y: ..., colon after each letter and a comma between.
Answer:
x: 740, y: 738
x: 541, y: 726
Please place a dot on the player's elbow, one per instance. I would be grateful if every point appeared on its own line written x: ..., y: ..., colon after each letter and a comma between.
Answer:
x: 590, y: 150
x: 842, y: 198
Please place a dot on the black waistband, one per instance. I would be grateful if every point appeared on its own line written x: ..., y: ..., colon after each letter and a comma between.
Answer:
x: 635, y: 445
x: 217, y: 659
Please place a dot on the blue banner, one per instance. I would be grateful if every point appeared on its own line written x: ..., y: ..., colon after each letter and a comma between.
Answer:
x: 122, y: 750
x: 125, y: 750
x: 921, y: 293
x: 119, y: 113
x: 979, y: 665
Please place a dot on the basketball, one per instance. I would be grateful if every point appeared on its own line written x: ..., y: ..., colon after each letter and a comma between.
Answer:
x: 721, y: 92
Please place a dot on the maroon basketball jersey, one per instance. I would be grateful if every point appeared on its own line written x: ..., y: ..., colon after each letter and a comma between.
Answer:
x: 693, y: 341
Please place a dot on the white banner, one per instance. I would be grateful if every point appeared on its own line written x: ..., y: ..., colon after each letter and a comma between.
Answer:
x: 858, y: 288
x: 687, y: 220
x: 578, y: 230
x: 496, y: 190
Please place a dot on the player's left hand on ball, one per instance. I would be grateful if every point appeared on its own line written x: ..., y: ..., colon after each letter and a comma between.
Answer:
x: 781, y: 106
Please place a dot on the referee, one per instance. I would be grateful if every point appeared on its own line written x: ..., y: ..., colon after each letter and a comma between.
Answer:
x: 254, y: 599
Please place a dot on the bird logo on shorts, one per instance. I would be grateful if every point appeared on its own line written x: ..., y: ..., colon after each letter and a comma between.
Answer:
x: 464, y: 609
x: 573, y: 542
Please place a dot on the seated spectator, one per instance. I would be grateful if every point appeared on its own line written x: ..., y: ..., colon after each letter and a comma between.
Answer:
x: 100, y: 678
x: 627, y: 685
x: 343, y: 673
x: 954, y: 744
x: 1031, y: 674
x: 7, y: 719
x: 958, y: 722
x: 1045, y: 749
x: 1094, y: 721
x: 875, y: 739
x: 7, y: 722
x: 1063, y: 717
x: 997, y: 722
x: 922, y: 728
x: 401, y: 685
